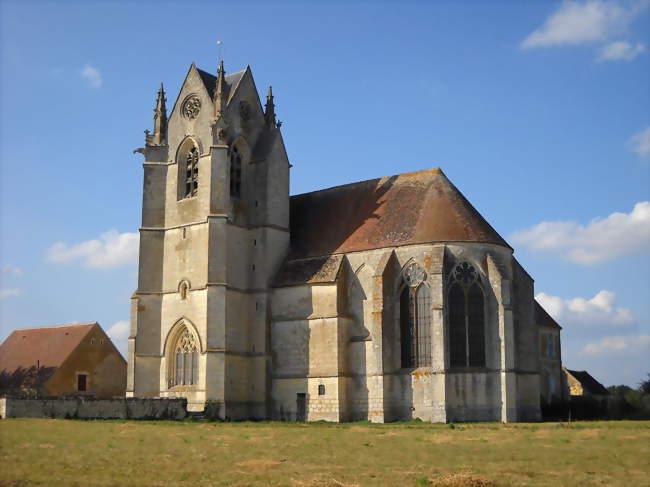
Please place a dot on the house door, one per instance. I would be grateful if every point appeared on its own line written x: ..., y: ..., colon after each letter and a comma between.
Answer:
x: 301, y: 407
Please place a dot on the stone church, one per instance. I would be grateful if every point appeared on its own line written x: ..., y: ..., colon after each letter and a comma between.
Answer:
x: 382, y: 300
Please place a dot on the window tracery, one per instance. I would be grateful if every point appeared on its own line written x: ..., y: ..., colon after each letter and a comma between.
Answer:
x: 415, y: 318
x: 185, y: 360
x: 466, y: 304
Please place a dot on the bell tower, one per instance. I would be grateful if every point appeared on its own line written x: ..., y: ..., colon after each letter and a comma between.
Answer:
x: 215, y: 229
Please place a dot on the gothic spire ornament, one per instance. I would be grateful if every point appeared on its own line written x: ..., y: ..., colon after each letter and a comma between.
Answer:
x: 220, y: 92
x: 269, y: 111
x: 159, y: 136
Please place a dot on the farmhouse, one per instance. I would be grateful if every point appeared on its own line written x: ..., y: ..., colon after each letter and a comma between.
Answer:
x: 384, y: 300
x: 65, y: 360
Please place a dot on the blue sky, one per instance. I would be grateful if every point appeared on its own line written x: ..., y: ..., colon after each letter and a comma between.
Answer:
x: 539, y: 112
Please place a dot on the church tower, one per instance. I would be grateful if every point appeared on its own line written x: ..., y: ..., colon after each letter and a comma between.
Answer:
x: 215, y: 229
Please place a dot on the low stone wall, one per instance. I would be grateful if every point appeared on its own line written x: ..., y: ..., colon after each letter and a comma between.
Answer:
x: 88, y: 408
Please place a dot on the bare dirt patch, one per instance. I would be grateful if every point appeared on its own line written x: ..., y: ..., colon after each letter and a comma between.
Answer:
x: 462, y: 480
x: 256, y: 465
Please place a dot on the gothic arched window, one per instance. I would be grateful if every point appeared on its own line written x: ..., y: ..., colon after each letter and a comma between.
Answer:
x: 184, y: 370
x: 466, y: 318
x: 235, y: 173
x: 191, y: 172
x: 415, y: 319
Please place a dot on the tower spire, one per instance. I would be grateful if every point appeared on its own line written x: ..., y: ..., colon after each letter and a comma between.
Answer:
x: 269, y: 111
x: 220, y: 92
x: 160, y: 119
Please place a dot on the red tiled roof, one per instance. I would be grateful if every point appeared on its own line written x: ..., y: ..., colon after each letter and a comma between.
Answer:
x: 47, y: 346
x: 412, y: 208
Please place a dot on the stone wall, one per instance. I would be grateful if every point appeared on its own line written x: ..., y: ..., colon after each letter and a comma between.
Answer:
x: 87, y: 408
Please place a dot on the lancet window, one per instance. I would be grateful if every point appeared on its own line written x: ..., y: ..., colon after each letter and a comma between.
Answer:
x: 184, y: 370
x: 235, y: 173
x: 415, y: 318
x: 466, y: 306
x: 192, y: 172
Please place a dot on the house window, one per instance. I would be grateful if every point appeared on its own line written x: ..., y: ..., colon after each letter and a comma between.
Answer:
x: 82, y: 382
x: 466, y: 318
x: 415, y: 321
x: 235, y: 173
x: 185, y: 361
x: 192, y: 172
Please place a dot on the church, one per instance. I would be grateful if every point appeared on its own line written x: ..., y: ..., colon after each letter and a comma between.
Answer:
x: 383, y: 300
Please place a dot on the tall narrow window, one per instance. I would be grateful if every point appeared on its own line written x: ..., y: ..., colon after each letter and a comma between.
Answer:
x: 415, y: 319
x: 466, y: 318
x: 192, y: 172
x: 235, y: 173
x: 185, y: 368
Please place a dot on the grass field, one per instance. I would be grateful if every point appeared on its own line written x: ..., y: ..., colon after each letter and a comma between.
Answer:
x: 124, y: 453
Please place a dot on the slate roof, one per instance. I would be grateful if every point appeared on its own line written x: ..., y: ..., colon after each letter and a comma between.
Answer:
x: 589, y: 384
x: 48, y: 346
x: 542, y: 318
x: 405, y: 209
x: 210, y: 81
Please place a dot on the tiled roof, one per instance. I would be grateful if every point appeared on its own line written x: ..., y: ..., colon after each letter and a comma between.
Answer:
x: 309, y: 271
x: 542, y: 318
x: 47, y: 346
x: 588, y: 383
x: 412, y: 208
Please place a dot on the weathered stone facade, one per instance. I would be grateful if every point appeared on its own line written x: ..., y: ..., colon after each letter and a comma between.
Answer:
x: 333, y: 305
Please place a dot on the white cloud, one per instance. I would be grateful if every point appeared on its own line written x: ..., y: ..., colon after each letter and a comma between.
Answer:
x: 620, y: 51
x: 597, y: 311
x: 12, y: 270
x: 619, y: 344
x: 601, y: 240
x: 7, y: 293
x: 92, y: 76
x: 585, y: 22
x: 640, y: 143
x: 111, y: 249
x: 119, y: 335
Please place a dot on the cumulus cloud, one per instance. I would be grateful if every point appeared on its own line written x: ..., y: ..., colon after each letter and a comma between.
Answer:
x: 119, y: 334
x: 92, y: 76
x: 110, y: 250
x: 620, y: 51
x: 640, y: 143
x: 619, y: 344
x: 600, y: 240
x: 7, y: 293
x: 601, y: 310
x: 577, y: 22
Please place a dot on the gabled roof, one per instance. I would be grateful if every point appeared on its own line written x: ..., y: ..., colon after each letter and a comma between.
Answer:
x: 588, y: 383
x: 542, y: 318
x: 406, y: 209
x: 48, y: 346
x: 210, y: 81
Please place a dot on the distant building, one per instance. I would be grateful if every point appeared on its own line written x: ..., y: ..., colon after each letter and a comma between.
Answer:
x: 550, y: 357
x: 62, y: 361
x: 581, y: 383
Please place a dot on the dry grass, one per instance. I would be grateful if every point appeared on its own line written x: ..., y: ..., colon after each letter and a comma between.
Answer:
x: 119, y: 453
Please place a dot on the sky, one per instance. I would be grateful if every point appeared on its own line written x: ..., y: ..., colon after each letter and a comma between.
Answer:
x: 539, y: 112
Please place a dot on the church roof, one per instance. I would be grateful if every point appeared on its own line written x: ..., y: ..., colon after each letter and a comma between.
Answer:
x: 406, y: 209
x: 48, y: 346
x: 542, y: 318
x: 210, y: 81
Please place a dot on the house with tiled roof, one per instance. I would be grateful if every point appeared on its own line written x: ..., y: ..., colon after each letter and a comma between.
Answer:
x: 67, y: 360
x: 582, y: 383
x: 382, y: 300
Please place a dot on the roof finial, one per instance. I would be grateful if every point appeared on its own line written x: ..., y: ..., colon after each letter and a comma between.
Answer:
x: 159, y: 136
x: 220, y: 92
x: 269, y: 112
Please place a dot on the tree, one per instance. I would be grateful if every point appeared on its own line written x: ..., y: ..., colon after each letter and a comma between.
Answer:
x: 644, y: 385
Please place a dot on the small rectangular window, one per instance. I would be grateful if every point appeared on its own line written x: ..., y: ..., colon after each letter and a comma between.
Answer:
x: 81, y: 382
x: 321, y: 389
